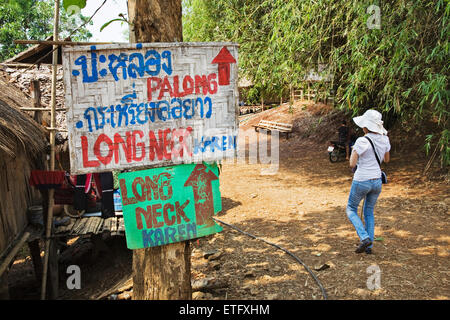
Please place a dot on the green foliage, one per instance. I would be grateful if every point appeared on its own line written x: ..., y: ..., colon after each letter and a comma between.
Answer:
x: 33, y: 20
x: 253, y: 96
x: 401, y: 69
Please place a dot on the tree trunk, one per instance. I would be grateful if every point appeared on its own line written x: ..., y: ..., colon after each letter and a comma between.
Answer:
x: 159, y: 273
x: 162, y: 273
x: 155, y: 21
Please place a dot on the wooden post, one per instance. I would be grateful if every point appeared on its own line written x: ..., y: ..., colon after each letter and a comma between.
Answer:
x: 35, y: 252
x: 51, y: 192
x: 161, y: 272
x: 309, y: 92
x: 4, y: 288
x: 36, y: 95
x: 53, y: 270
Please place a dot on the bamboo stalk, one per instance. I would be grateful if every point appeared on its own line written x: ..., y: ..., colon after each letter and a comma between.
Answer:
x: 16, y: 65
x: 51, y: 193
x: 13, y: 252
x: 55, y: 129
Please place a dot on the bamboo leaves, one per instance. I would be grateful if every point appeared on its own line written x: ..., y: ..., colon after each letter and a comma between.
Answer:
x: 401, y: 68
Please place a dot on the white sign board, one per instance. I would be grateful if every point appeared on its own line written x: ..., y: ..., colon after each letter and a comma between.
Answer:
x: 150, y: 104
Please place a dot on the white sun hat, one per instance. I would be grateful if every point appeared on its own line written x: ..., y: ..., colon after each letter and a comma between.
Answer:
x: 371, y: 119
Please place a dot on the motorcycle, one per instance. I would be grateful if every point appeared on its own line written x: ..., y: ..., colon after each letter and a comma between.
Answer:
x: 336, y: 151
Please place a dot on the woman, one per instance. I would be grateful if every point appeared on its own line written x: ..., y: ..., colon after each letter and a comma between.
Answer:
x: 367, y: 178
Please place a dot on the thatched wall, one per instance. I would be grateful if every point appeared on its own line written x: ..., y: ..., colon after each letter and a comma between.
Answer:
x: 15, y: 197
x: 22, y: 148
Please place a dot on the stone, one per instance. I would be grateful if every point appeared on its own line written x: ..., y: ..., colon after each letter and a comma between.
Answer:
x: 321, y: 267
x: 215, y: 256
x: 209, y: 253
x: 207, y: 284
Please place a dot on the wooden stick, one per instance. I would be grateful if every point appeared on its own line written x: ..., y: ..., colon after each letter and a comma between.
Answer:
x: 430, y: 161
x: 42, y: 109
x: 36, y: 95
x: 16, y: 65
x: 51, y: 193
x: 62, y: 43
x: 13, y: 252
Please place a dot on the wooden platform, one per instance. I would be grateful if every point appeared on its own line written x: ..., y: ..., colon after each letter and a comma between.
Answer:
x: 92, y: 225
x: 273, y: 125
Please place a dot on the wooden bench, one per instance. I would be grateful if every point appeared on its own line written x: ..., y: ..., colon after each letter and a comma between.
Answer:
x: 273, y: 125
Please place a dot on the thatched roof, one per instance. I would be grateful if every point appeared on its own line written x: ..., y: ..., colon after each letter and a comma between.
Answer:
x: 18, y: 131
x: 40, y: 53
x: 22, y: 77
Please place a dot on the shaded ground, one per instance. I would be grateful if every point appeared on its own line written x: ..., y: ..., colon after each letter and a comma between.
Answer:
x: 302, y: 208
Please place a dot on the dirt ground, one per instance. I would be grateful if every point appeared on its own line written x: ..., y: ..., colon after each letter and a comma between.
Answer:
x: 302, y: 208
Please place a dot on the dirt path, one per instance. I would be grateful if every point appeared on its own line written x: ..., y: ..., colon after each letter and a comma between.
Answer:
x: 302, y: 208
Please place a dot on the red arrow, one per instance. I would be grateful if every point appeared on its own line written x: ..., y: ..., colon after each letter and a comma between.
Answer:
x: 200, y: 181
x: 224, y: 59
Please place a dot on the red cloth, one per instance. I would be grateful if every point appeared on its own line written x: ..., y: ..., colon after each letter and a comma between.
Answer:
x: 87, y: 185
x: 46, y: 179
x: 98, y: 183
x: 88, y: 182
x: 64, y: 196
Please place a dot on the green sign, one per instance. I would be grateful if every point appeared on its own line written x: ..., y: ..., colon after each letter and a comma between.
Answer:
x: 170, y: 204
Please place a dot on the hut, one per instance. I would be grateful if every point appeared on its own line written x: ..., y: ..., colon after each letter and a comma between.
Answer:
x: 22, y: 148
x: 317, y: 85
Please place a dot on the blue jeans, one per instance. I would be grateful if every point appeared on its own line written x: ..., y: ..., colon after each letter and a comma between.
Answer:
x: 368, y: 190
